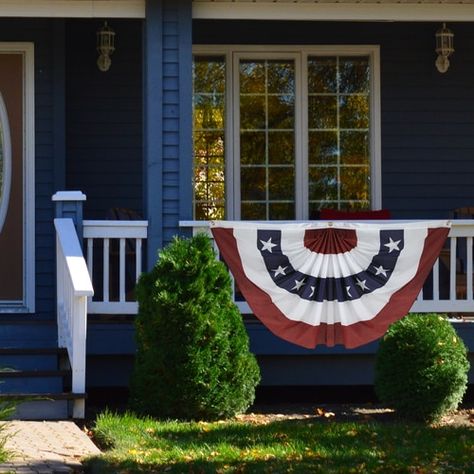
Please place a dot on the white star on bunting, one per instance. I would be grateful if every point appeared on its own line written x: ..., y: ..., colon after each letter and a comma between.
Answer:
x: 348, y: 289
x: 392, y: 245
x: 268, y: 245
x: 361, y: 284
x: 381, y: 271
x: 279, y: 271
x: 312, y: 291
x: 298, y: 284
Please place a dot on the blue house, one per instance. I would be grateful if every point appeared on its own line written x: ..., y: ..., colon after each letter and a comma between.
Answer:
x: 126, y: 122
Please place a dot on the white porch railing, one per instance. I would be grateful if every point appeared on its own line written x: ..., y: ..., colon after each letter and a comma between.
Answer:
x: 114, y: 260
x: 74, y: 286
x: 449, y: 288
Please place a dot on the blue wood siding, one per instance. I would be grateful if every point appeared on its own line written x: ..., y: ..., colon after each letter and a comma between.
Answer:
x: 41, y: 33
x: 111, y: 345
x: 427, y: 117
x: 104, y: 118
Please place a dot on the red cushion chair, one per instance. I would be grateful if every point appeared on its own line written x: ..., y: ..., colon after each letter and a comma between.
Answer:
x: 334, y: 214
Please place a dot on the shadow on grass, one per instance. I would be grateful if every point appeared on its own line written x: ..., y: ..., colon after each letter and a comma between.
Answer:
x: 305, y: 466
x: 301, y: 446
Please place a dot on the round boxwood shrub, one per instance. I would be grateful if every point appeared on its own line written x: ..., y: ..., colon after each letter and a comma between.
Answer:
x: 193, y: 359
x: 421, y: 367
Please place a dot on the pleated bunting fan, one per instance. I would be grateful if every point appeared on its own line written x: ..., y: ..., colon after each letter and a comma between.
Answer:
x: 330, y: 282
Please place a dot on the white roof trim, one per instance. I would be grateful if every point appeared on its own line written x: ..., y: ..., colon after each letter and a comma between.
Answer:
x: 73, y: 8
x: 343, y: 11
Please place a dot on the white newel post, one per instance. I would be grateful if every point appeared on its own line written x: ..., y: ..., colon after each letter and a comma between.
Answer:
x: 73, y: 288
x: 69, y: 204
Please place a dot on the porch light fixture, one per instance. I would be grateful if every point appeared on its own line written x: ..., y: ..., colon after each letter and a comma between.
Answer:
x: 444, y: 48
x: 105, y: 46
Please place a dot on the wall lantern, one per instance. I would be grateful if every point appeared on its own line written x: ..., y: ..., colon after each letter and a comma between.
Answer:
x: 444, y: 48
x: 105, y: 46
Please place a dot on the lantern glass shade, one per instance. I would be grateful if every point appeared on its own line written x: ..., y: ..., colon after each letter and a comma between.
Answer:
x: 105, y: 46
x: 105, y: 39
x: 444, y: 41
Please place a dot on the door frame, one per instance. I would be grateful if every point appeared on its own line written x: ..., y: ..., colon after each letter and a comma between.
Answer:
x: 27, y: 305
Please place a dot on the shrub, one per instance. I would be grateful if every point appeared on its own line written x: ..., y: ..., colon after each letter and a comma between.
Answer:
x: 421, y: 367
x: 193, y: 359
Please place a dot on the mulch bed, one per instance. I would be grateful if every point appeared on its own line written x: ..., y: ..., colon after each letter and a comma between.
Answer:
x: 263, y: 414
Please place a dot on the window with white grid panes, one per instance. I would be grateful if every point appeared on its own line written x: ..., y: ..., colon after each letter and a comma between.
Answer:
x: 267, y: 137
x: 281, y: 135
x: 338, y: 132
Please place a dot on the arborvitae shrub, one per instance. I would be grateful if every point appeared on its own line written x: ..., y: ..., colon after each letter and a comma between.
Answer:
x: 193, y: 359
x: 421, y: 367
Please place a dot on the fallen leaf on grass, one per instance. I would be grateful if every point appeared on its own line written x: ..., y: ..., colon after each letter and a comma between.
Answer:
x: 323, y: 413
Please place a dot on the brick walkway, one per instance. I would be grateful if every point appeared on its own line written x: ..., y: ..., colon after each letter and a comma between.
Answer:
x: 46, y: 447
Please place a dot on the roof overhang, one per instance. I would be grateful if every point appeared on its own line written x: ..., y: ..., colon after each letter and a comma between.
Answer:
x: 73, y: 8
x: 342, y: 10
x: 319, y: 10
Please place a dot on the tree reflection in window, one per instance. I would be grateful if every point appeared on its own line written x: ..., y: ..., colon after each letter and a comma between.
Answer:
x: 338, y: 141
x: 208, y: 137
x: 267, y: 139
x: 336, y: 135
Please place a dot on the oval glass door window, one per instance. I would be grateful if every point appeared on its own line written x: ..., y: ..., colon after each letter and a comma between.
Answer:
x: 5, y: 162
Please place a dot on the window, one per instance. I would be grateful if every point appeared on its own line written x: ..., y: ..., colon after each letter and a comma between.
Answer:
x: 279, y: 135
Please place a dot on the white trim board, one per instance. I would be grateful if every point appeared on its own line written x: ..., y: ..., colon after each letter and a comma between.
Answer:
x: 73, y: 8
x: 341, y: 11
x: 244, y: 10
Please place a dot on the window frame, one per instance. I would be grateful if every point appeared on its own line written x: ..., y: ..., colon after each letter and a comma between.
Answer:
x: 299, y: 53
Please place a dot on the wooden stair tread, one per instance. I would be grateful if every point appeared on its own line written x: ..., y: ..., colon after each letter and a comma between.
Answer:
x: 42, y: 396
x: 33, y: 373
x: 31, y: 351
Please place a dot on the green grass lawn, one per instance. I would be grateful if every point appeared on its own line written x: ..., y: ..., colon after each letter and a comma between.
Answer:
x: 302, y: 446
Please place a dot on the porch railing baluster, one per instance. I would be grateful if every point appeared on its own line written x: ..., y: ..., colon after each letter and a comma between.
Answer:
x: 105, y: 267
x: 119, y: 271
x: 90, y: 260
x: 436, y: 281
x: 469, y: 269
x: 138, y: 259
x: 452, y: 268
x: 122, y: 270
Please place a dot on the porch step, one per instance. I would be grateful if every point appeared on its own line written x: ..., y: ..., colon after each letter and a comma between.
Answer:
x: 37, y: 378
x: 28, y: 333
x: 42, y: 406
x: 29, y: 358
x: 44, y: 396
x: 32, y: 373
x: 15, y: 381
x: 31, y: 350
